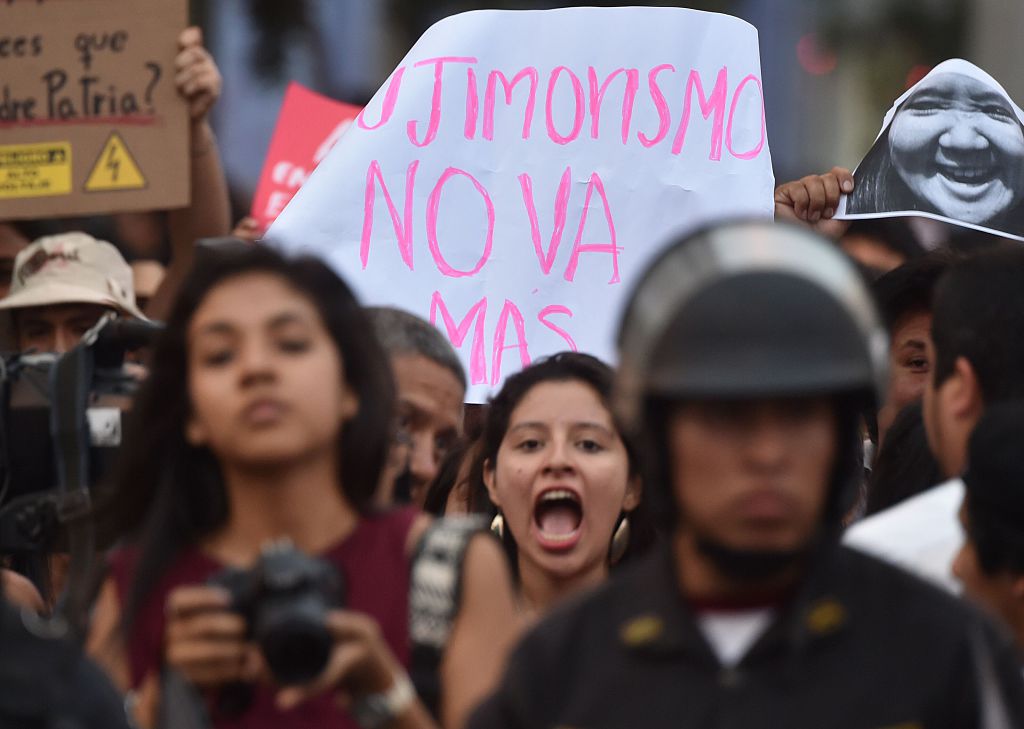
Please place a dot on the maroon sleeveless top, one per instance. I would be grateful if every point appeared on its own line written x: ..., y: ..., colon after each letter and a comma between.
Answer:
x: 375, y: 567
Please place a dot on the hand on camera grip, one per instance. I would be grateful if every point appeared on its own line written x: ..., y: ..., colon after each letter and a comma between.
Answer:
x: 206, y: 642
x: 361, y: 662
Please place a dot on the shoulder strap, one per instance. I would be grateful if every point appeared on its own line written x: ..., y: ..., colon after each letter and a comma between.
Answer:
x: 435, y: 595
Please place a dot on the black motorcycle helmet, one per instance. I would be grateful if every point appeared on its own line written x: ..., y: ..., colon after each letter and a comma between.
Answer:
x: 744, y: 310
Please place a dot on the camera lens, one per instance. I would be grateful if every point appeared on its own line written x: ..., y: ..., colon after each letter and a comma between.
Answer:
x: 296, y: 650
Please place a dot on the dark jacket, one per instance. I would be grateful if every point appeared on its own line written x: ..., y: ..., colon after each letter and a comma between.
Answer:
x: 862, y: 646
x: 46, y: 682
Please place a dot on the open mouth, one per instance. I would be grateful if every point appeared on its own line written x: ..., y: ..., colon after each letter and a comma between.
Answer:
x: 558, y: 514
x: 968, y: 175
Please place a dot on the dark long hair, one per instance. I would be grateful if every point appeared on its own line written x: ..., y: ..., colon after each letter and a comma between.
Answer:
x: 167, y: 494
x: 447, y: 479
x: 879, y: 187
x: 561, y: 367
x: 977, y: 314
x: 905, y: 465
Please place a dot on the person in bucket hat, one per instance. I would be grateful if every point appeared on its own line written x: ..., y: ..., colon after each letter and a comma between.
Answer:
x: 61, y: 286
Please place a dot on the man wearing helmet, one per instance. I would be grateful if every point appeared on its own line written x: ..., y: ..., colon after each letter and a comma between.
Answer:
x: 748, y: 352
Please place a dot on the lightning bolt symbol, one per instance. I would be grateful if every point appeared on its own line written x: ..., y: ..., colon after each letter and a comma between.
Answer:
x: 113, y: 163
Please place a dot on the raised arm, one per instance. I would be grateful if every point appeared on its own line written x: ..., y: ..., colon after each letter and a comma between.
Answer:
x: 209, y: 214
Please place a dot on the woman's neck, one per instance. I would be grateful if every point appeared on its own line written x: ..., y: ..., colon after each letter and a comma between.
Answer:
x: 539, y: 590
x: 301, y: 501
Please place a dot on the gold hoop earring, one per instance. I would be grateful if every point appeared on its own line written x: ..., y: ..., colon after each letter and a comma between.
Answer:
x: 620, y: 541
x: 498, y: 526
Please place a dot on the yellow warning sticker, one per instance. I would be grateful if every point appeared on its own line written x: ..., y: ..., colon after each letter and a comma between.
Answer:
x: 115, y: 169
x: 35, y: 170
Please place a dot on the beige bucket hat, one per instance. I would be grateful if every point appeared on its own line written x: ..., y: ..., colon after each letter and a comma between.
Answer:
x: 71, y: 268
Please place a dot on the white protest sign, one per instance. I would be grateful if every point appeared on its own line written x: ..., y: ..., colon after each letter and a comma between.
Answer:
x: 519, y: 168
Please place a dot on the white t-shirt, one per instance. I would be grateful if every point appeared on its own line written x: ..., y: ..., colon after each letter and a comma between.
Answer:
x: 922, y: 534
x: 731, y: 633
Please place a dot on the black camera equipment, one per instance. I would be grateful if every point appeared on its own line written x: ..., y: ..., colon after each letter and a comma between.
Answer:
x: 285, y: 598
x: 47, y: 682
x: 60, y: 426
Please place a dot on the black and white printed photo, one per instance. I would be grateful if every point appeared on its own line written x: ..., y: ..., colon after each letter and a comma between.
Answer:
x: 951, y: 148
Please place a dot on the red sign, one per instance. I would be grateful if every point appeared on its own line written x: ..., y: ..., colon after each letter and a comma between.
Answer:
x: 308, y: 126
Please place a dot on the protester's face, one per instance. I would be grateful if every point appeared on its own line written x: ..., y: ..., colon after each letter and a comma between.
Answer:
x: 266, y: 381
x: 959, y: 146
x: 429, y: 414
x: 56, y: 328
x: 995, y: 593
x: 909, y: 365
x: 753, y: 474
x: 561, y: 478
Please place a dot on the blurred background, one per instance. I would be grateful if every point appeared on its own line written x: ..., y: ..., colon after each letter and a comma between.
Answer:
x: 831, y: 68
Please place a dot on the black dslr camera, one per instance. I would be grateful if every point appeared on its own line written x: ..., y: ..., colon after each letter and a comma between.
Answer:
x: 285, y: 598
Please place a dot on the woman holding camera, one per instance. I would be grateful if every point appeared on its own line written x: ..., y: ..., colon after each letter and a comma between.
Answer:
x: 266, y: 416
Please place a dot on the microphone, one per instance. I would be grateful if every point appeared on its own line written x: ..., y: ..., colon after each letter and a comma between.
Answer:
x: 129, y: 334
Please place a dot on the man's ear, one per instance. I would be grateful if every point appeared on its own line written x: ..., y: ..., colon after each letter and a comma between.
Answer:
x: 489, y: 482
x: 965, y: 398
x: 634, y: 492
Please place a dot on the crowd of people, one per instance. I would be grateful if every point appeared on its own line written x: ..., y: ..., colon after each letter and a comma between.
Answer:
x: 740, y: 524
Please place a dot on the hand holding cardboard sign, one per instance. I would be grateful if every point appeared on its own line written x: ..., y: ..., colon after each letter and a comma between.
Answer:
x: 196, y: 75
x: 198, y: 82
x: 814, y: 199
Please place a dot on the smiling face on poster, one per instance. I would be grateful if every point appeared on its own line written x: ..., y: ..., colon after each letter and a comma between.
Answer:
x: 518, y: 170
x: 951, y: 148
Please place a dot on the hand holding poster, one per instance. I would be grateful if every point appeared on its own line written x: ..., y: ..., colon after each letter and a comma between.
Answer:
x: 950, y: 148
x: 519, y: 168
x: 90, y: 120
x: 307, y: 128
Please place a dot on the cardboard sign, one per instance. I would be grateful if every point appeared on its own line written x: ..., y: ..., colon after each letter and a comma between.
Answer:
x: 519, y: 169
x: 90, y: 121
x: 307, y: 128
x: 951, y: 148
